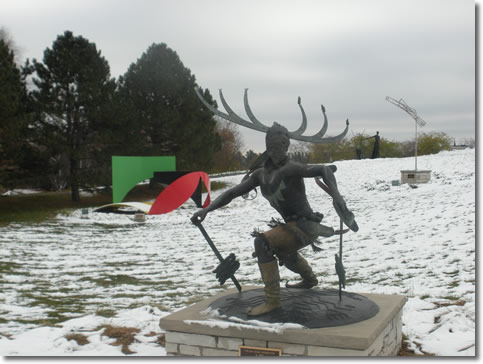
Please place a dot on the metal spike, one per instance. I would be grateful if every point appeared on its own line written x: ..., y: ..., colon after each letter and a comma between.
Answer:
x: 255, y: 124
x: 233, y: 116
x: 252, y: 117
x: 303, y: 126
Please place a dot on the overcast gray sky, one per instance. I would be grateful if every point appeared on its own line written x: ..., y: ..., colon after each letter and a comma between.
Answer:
x: 346, y: 54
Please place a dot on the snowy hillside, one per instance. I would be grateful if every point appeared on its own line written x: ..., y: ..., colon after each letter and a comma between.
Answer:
x: 71, y: 275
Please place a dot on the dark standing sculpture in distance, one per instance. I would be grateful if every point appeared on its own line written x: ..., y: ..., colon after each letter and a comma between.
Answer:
x: 281, y: 182
x: 375, y: 151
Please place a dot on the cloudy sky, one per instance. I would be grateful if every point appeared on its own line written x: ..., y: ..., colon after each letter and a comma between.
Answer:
x: 346, y: 54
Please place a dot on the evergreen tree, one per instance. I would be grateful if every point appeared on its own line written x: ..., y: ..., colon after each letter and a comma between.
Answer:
x: 13, y: 113
x: 166, y: 116
x: 74, y: 87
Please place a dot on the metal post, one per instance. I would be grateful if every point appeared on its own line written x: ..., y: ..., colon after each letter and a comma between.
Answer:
x: 340, y: 257
x: 416, y: 148
x: 402, y: 105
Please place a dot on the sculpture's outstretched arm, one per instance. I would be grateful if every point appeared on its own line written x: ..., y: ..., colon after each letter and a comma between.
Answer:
x: 226, y: 197
x: 327, y: 174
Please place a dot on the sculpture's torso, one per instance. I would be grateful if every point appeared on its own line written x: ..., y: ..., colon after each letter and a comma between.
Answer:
x: 284, y: 189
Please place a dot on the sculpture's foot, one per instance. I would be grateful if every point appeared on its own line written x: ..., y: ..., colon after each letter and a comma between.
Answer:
x: 265, y: 307
x: 304, y: 283
x: 271, y: 278
x: 296, y: 263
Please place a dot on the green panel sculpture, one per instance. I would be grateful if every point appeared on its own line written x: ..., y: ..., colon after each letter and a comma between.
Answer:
x: 127, y: 172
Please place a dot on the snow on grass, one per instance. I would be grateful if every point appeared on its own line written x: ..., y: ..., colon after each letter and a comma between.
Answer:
x: 72, y: 275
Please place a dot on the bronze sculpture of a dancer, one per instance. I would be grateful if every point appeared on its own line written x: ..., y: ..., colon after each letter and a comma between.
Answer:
x: 281, y: 182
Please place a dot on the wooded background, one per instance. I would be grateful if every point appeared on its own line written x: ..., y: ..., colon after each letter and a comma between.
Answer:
x: 62, y: 118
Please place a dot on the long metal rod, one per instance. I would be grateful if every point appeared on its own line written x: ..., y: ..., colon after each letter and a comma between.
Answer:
x: 416, y: 148
x: 340, y: 241
x: 217, y: 253
x: 340, y: 257
x: 326, y: 189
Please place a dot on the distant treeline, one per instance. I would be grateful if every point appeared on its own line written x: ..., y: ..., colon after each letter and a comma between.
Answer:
x: 360, y: 146
x: 62, y: 118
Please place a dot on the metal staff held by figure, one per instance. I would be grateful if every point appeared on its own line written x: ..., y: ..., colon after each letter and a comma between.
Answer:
x: 339, y: 267
x: 227, y: 267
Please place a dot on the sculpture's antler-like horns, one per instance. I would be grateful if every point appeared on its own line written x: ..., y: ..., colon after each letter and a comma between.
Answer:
x: 257, y: 125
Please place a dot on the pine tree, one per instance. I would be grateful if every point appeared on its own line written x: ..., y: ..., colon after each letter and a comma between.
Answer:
x: 166, y: 112
x: 13, y: 118
x: 74, y: 86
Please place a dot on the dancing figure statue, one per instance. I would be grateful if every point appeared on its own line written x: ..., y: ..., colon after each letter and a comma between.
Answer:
x: 281, y: 182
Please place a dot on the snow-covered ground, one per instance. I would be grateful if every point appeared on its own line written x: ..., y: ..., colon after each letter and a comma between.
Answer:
x: 72, y: 275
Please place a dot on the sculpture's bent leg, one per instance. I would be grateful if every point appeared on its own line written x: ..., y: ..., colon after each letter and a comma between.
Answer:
x: 263, y: 251
x: 268, y: 266
x: 296, y: 263
x: 271, y: 279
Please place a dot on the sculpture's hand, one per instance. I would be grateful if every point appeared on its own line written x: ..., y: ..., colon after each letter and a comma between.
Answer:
x: 199, y: 216
x: 344, y: 213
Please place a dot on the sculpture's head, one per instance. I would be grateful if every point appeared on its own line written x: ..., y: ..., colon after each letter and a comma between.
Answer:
x: 277, y: 141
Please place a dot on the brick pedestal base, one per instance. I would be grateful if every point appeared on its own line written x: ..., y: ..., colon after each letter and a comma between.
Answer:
x: 190, y: 332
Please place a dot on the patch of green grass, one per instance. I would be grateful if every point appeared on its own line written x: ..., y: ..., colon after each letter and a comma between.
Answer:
x: 451, y: 298
x: 124, y: 264
x: 57, y: 316
x: 120, y: 279
x: 116, y: 280
x: 9, y: 266
x: 42, y: 206
x: 454, y: 284
x: 452, y: 274
x: 105, y: 312
x: 351, y: 280
x: 60, y: 308
x: 383, y: 279
x: 194, y: 299
x: 217, y: 185
x: 39, y: 322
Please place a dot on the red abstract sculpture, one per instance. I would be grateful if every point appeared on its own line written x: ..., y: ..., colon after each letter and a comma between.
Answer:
x: 179, y: 191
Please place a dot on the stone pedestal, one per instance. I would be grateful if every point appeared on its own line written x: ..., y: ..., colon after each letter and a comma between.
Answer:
x: 194, y: 331
x: 415, y: 176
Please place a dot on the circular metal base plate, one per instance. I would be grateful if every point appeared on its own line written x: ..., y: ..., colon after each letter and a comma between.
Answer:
x: 311, y: 308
